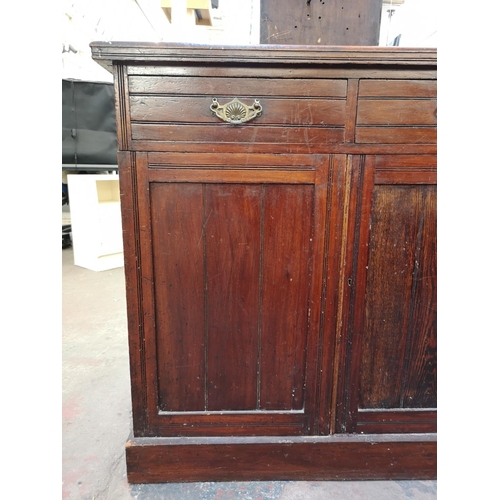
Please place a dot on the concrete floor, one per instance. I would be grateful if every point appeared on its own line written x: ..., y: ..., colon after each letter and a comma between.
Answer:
x: 96, y: 418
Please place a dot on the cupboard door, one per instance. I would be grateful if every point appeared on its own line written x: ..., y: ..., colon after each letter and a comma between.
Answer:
x: 232, y: 257
x: 389, y: 381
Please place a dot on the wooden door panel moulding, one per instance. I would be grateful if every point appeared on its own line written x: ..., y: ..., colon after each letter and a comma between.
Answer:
x: 406, y: 169
x: 291, y: 420
x: 247, y: 176
x: 411, y: 177
x: 364, y: 185
x: 133, y: 284
x: 314, y: 300
x: 340, y: 346
x: 353, y: 286
x: 324, y: 358
x: 290, y: 148
x: 123, y: 129
x: 147, y: 287
x: 397, y: 420
x: 334, y: 252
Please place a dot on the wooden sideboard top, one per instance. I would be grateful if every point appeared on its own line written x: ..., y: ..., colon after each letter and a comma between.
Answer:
x: 147, y: 52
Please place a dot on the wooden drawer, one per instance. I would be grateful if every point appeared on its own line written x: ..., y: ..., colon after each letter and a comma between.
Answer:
x: 177, y: 109
x: 396, y: 112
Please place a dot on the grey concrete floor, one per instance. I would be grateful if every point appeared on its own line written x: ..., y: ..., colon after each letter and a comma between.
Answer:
x: 96, y: 419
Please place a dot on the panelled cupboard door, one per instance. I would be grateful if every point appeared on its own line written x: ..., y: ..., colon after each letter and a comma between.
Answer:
x: 231, y: 263
x: 388, y: 383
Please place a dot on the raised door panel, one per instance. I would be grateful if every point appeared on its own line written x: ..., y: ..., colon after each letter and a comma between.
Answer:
x: 232, y: 257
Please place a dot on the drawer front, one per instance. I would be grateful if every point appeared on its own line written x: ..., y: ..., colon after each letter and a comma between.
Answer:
x: 396, y: 112
x: 177, y: 109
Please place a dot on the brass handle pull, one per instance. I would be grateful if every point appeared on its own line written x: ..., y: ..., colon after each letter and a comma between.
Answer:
x: 235, y: 112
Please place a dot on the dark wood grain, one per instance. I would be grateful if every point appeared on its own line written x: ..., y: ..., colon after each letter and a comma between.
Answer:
x: 176, y: 216
x: 405, y: 169
x: 352, y: 282
x: 163, y: 53
x: 230, y: 87
x: 396, y: 135
x: 395, y: 246
x: 420, y: 377
x: 230, y: 176
x: 397, y: 88
x: 332, y: 284
x: 363, y: 183
x: 197, y: 110
x: 404, y: 177
x: 236, y: 160
x: 405, y: 162
x: 220, y: 133
x: 327, y: 458
x: 396, y: 421
x: 394, y: 232
x: 397, y: 112
x: 336, y: 147
x: 277, y: 71
x: 286, y: 253
x: 232, y: 232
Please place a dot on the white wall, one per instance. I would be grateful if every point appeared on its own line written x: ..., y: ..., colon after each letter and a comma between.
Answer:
x: 415, y: 20
x: 235, y: 22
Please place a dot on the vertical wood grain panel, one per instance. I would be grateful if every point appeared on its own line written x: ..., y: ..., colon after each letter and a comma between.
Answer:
x: 419, y: 389
x: 330, y: 278
x: 286, y: 271
x: 364, y: 175
x: 176, y: 212
x: 123, y: 132
x: 232, y: 218
x: 352, y: 285
x: 394, y: 241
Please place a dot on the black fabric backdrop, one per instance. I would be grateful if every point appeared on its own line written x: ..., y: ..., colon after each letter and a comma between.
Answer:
x: 88, y: 123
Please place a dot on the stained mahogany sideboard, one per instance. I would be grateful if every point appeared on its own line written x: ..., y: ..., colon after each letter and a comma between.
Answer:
x: 279, y: 222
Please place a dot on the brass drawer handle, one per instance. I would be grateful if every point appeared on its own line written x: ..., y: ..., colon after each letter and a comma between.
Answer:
x: 236, y: 112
